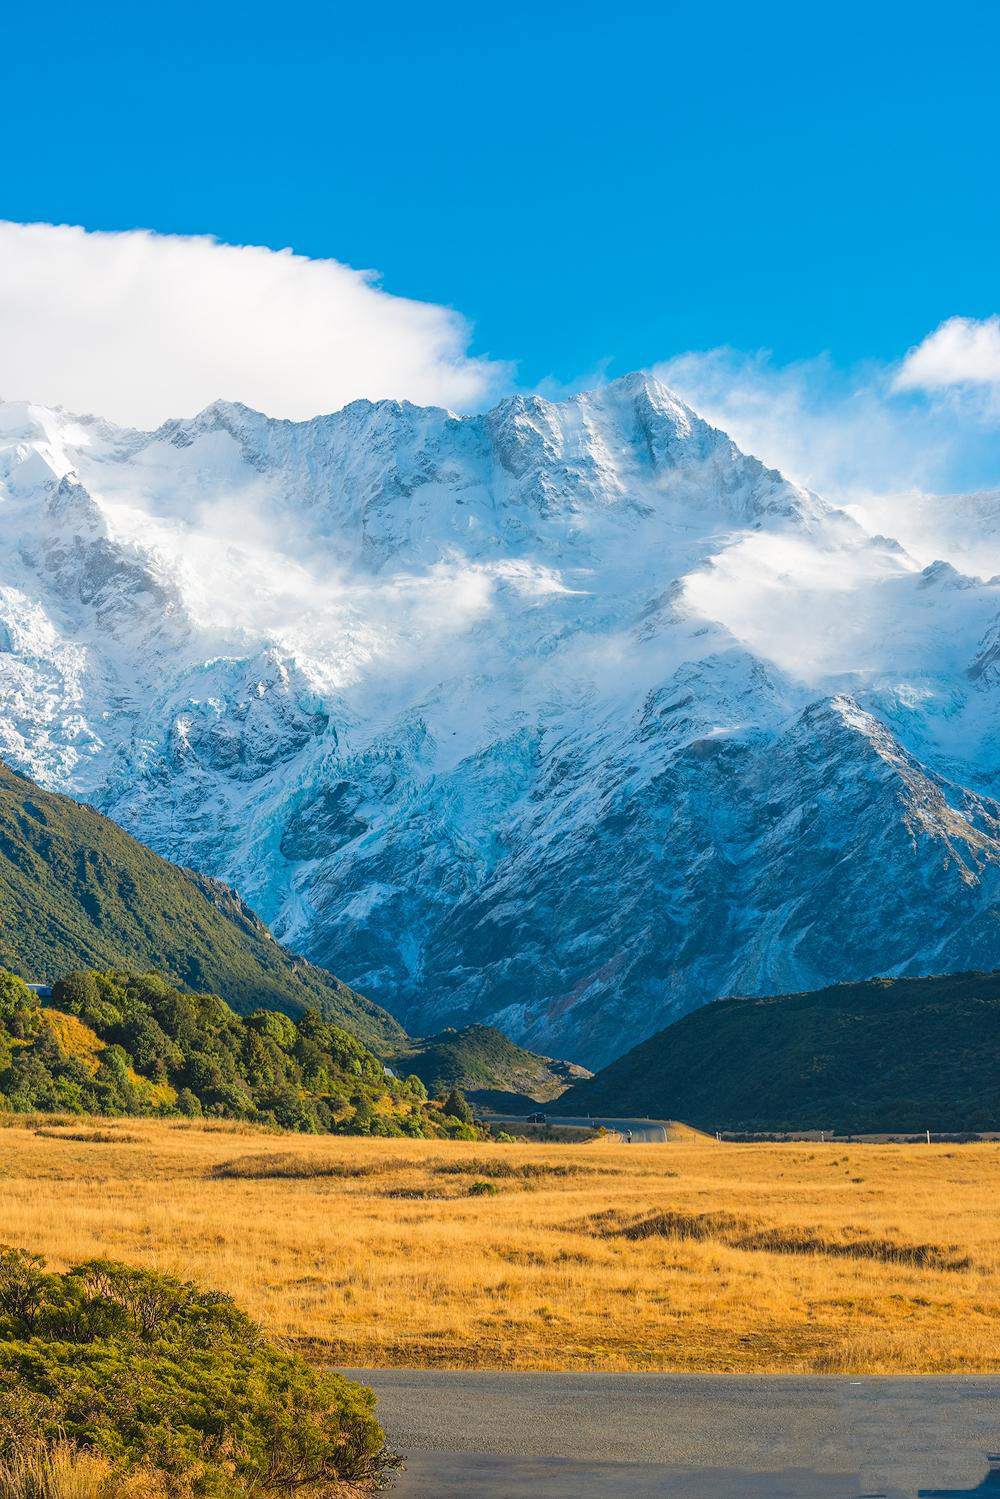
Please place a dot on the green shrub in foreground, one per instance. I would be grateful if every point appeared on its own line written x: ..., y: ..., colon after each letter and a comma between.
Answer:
x: 154, y: 1373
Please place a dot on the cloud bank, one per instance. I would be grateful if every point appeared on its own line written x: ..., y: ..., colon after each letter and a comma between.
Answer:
x: 138, y: 327
x: 926, y: 424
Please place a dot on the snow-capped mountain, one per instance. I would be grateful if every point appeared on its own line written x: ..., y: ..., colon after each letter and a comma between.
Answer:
x: 567, y: 717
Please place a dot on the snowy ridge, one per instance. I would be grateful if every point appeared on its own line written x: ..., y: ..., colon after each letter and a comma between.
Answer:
x: 567, y: 717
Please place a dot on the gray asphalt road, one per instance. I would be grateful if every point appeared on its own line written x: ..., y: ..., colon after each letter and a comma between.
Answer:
x: 486, y: 1435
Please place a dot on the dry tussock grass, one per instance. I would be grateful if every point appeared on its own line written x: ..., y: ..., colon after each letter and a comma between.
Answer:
x: 61, y: 1471
x: 851, y: 1241
x: 93, y: 1136
x: 289, y: 1166
x: 869, y: 1258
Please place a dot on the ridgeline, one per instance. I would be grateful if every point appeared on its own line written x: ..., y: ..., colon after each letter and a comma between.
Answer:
x: 886, y: 1055
x: 76, y: 891
x: 487, y: 1065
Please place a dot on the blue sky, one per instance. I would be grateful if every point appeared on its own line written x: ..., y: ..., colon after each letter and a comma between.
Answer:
x: 594, y: 187
x: 585, y: 182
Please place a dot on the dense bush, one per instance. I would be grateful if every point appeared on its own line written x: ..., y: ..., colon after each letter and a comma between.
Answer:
x: 456, y: 1106
x: 154, y: 1374
x: 115, y: 1043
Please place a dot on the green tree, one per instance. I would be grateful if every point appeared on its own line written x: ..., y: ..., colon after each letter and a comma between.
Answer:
x: 457, y: 1107
x: 18, y: 1006
x: 155, y: 1049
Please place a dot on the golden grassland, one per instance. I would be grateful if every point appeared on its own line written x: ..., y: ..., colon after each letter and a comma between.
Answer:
x: 692, y: 1255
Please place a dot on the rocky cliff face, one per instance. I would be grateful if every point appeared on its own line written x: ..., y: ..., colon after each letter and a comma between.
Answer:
x: 565, y: 718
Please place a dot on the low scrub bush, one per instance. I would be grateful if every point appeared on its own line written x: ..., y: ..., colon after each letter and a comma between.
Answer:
x: 751, y: 1234
x: 92, y: 1137
x: 501, y: 1170
x: 110, y: 1375
x: 289, y: 1167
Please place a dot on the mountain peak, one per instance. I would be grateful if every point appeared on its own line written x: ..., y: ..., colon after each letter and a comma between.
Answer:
x: 439, y: 693
x: 645, y: 383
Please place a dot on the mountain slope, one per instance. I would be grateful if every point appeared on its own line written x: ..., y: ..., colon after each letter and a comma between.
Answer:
x: 78, y: 892
x: 481, y: 1059
x: 886, y: 1055
x: 563, y: 719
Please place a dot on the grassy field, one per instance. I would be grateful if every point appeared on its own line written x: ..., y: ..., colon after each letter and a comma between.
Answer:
x: 690, y: 1255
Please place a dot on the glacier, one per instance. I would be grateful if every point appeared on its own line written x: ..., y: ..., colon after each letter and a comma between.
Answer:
x: 567, y: 717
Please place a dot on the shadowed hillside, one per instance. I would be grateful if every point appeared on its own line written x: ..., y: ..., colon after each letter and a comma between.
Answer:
x: 481, y: 1060
x: 885, y: 1055
x: 76, y: 892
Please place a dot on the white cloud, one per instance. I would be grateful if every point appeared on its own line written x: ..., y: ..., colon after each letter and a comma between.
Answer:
x: 962, y: 351
x: 850, y: 435
x: 138, y: 327
x: 842, y: 436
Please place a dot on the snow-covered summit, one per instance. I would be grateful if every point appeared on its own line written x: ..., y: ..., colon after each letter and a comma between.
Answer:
x: 569, y: 715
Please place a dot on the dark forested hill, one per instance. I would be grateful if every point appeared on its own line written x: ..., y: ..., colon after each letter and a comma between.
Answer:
x: 483, y: 1061
x: 885, y: 1055
x: 76, y: 891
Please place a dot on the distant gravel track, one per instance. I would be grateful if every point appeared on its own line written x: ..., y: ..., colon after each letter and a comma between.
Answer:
x: 644, y: 1131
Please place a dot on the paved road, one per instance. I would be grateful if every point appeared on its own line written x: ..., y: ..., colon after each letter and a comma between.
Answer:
x: 486, y: 1435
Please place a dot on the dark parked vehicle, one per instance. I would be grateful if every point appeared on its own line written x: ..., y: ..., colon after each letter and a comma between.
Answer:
x: 536, y: 1118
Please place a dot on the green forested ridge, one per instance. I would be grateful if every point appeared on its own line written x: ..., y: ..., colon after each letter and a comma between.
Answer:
x: 76, y: 891
x: 115, y: 1043
x: 479, y: 1058
x: 173, y: 1384
x: 884, y: 1055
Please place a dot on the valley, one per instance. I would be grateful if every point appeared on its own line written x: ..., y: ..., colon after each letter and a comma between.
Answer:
x: 500, y: 752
